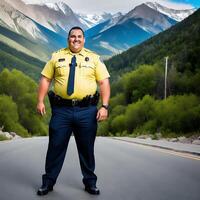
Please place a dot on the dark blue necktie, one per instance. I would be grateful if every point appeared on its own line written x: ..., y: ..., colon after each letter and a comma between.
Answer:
x: 70, y: 87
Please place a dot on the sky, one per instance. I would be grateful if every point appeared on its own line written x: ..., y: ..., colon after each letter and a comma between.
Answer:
x: 114, y: 6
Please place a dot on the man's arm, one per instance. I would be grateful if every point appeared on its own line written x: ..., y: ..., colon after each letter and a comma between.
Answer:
x: 42, y: 91
x: 104, y: 86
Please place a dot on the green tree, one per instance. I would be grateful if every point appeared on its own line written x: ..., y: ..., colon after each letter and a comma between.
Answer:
x: 141, y: 82
x: 139, y: 113
x: 9, y: 118
x: 23, y: 89
x: 119, y: 99
x: 103, y: 128
x: 178, y: 114
x: 118, y: 124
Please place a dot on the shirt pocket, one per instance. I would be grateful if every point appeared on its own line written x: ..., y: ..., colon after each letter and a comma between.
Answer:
x: 60, y: 69
x: 87, y: 69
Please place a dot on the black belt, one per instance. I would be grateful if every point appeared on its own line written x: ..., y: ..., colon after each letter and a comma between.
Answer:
x: 86, y: 101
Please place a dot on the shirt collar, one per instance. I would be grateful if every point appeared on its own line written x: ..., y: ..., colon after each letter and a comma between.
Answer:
x: 82, y: 52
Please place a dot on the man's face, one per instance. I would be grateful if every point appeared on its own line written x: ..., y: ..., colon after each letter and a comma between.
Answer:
x: 76, y: 40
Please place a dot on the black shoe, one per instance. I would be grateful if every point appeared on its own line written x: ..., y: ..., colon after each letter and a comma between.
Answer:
x: 92, y: 190
x: 44, y: 189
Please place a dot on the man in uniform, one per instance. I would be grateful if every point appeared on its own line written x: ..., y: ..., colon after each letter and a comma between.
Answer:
x: 75, y: 72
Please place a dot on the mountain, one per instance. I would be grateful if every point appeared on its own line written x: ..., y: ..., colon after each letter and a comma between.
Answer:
x: 91, y: 20
x: 18, y: 22
x: 57, y: 17
x: 13, y: 59
x: 23, y: 33
x: 36, y: 48
x: 117, y: 38
x: 148, y: 19
x: 124, y: 31
x: 177, y: 15
x: 106, y: 24
x: 181, y: 43
x: 43, y: 27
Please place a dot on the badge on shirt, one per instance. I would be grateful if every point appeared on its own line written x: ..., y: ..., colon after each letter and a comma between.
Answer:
x: 61, y: 59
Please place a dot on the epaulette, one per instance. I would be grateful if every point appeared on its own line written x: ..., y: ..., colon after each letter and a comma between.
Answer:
x: 89, y: 51
x: 59, y: 50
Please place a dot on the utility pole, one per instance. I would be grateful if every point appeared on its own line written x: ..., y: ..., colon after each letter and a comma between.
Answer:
x: 166, y: 66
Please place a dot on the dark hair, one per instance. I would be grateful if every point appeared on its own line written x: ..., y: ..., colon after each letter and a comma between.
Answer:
x: 75, y: 27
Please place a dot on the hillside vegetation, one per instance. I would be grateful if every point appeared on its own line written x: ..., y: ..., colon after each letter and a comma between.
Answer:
x: 18, y: 105
x: 13, y: 59
x: 137, y: 105
x: 181, y: 43
x: 137, y: 77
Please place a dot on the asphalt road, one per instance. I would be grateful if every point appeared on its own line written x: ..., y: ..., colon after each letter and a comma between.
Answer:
x: 125, y: 172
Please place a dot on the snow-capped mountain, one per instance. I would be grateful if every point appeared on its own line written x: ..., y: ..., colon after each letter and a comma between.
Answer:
x: 47, y: 24
x: 125, y: 31
x: 104, y: 25
x: 26, y: 35
x: 148, y: 19
x: 18, y: 22
x: 113, y: 21
x: 37, y: 29
x: 177, y: 15
x: 57, y: 17
x: 91, y: 20
x: 59, y: 6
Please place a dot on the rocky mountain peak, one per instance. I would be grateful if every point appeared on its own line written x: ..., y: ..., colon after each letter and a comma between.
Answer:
x: 175, y: 14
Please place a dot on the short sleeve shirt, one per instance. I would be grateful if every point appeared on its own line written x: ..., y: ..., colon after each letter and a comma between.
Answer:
x: 89, y: 70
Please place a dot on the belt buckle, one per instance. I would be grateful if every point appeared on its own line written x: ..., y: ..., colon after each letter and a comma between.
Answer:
x: 74, y: 102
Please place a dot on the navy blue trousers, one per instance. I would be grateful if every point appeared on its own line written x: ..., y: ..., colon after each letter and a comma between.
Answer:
x: 82, y: 122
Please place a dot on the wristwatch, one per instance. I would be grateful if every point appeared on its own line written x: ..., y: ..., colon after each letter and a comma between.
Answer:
x: 105, y: 106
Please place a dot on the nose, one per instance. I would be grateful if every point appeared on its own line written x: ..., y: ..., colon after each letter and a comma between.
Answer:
x: 76, y: 38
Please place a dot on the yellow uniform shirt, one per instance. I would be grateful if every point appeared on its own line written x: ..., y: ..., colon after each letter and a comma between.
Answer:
x: 88, y: 71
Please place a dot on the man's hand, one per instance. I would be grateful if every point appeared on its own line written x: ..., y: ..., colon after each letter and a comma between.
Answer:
x: 102, y: 114
x: 42, y: 91
x: 41, y: 108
